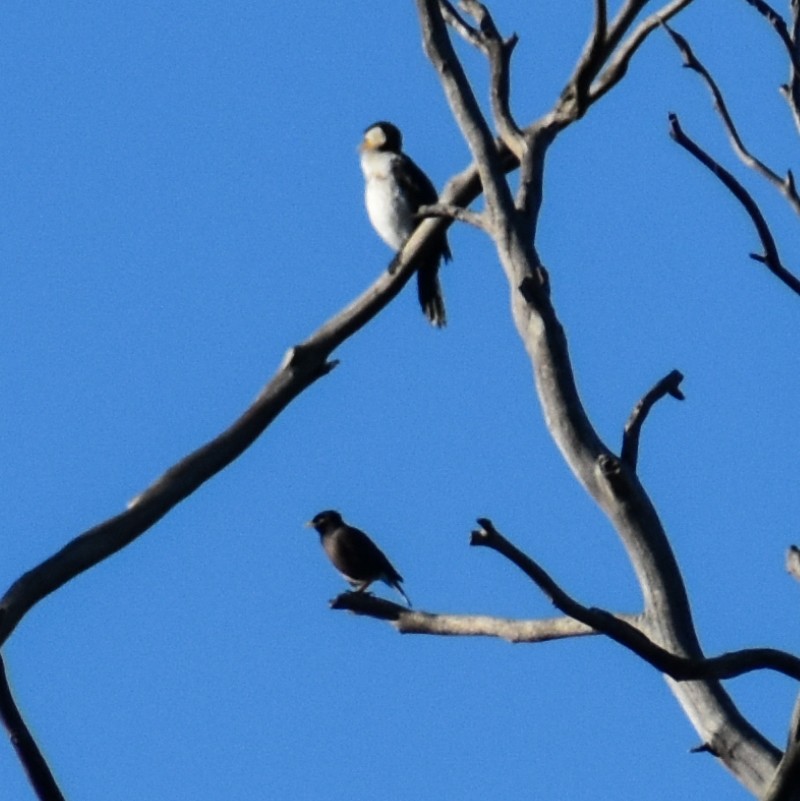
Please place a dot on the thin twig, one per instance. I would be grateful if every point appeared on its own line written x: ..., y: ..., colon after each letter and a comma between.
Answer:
x: 779, y: 24
x: 498, y: 51
x: 770, y: 258
x: 460, y: 25
x: 680, y: 668
x: 704, y: 748
x: 792, y: 91
x: 785, y: 185
x: 39, y: 773
x: 620, y: 25
x: 618, y: 64
x: 592, y: 58
x: 669, y: 385
x: 451, y: 212
x: 523, y: 144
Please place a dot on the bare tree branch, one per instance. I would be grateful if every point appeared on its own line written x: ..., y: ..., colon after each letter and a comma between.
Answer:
x: 785, y: 186
x: 498, y: 51
x: 791, y: 41
x: 743, y: 749
x: 779, y: 24
x: 621, y: 24
x: 412, y: 621
x: 681, y: 668
x: 592, y: 58
x: 618, y: 64
x: 771, y: 259
x: 450, y: 212
x: 669, y: 385
x: 704, y: 748
x: 469, y: 34
x: 783, y: 786
x: 465, y: 108
x: 792, y: 91
x: 749, y: 755
x: 32, y: 759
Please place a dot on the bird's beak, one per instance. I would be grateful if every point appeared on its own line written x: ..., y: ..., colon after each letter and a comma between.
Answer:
x: 364, y: 145
x: 310, y: 524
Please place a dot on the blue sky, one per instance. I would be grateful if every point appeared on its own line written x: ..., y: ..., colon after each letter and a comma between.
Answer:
x: 181, y: 202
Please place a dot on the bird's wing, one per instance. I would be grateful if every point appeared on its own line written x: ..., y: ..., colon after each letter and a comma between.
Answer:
x: 363, y: 555
x: 421, y: 192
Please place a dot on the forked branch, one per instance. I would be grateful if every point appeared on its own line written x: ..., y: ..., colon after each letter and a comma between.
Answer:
x: 617, y: 492
x: 785, y: 185
x: 779, y: 25
x: 770, y: 258
x: 450, y: 212
x: 681, y: 668
x: 619, y: 62
x: 498, y: 51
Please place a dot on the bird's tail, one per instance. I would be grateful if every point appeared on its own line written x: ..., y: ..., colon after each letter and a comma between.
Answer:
x: 399, y: 587
x: 430, y: 295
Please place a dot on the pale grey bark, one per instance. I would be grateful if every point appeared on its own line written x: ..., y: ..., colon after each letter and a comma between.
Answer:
x: 510, y: 218
x: 613, y: 484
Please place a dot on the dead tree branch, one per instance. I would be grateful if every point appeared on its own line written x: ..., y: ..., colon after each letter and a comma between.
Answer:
x: 618, y: 492
x: 32, y: 759
x: 783, y: 786
x: 592, y: 58
x: 680, y: 668
x: 779, y: 24
x: 791, y: 91
x: 498, y: 52
x: 786, y: 185
x: 770, y: 258
x: 413, y: 621
x: 451, y: 16
x: 450, y: 212
x: 791, y: 42
x: 465, y: 108
x: 669, y: 385
x: 620, y: 61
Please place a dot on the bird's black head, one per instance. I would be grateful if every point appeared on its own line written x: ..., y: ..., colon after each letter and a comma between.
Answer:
x: 383, y: 136
x: 325, y: 521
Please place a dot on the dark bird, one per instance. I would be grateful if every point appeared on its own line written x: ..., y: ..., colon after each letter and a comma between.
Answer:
x: 395, y: 189
x: 354, y: 554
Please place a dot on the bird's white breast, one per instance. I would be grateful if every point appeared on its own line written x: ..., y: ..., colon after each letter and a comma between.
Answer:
x: 387, y: 206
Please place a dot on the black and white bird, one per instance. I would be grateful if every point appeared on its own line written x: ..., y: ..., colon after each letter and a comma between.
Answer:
x: 354, y: 554
x: 395, y: 189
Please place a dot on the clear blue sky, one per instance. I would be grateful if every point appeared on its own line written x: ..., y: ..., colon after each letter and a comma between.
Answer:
x: 181, y: 202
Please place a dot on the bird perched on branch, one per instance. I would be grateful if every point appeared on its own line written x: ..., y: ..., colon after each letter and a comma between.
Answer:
x: 395, y: 189
x: 354, y: 554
